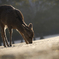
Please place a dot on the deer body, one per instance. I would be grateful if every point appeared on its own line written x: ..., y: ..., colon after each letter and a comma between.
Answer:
x: 12, y: 18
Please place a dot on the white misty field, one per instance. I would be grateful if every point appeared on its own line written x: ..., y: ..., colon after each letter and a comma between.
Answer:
x: 40, y: 49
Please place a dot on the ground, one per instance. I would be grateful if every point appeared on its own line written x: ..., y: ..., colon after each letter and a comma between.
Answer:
x: 40, y: 49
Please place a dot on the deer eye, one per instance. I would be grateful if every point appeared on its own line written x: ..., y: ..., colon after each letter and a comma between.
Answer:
x: 30, y: 37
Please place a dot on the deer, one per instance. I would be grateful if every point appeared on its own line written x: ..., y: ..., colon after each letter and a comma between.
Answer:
x: 12, y: 18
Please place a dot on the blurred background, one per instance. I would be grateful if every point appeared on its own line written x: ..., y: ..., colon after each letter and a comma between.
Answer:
x: 44, y: 14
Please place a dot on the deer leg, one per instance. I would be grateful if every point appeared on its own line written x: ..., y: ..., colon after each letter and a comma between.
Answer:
x: 24, y: 37
x: 10, y: 31
x: 3, y: 36
x: 6, y: 38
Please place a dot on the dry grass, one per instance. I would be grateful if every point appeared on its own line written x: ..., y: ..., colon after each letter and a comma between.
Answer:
x: 40, y: 49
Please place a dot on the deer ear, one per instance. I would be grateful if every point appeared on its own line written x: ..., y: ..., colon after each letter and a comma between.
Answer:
x: 31, y: 26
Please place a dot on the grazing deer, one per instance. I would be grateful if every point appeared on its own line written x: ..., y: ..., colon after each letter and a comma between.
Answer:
x: 12, y: 18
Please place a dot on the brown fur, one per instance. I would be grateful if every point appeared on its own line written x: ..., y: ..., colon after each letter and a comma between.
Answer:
x: 12, y: 18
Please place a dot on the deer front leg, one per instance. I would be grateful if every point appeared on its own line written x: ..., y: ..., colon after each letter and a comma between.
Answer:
x: 3, y: 36
x: 10, y: 31
x: 6, y: 38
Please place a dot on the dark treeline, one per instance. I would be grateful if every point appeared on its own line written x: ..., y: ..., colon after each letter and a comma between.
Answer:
x: 44, y: 14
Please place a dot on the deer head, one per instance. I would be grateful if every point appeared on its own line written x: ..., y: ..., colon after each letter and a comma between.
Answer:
x: 28, y: 32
